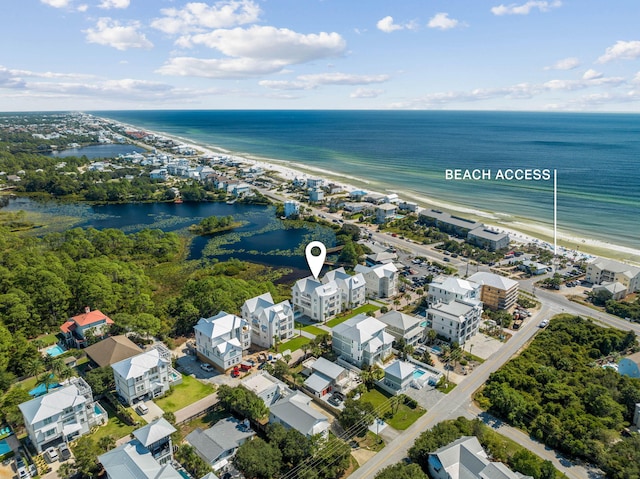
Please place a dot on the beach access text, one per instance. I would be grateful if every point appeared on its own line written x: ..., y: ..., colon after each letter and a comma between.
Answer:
x: 516, y: 174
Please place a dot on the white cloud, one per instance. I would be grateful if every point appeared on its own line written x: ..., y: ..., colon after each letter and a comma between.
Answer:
x: 312, y: 81
x: 196, y: 16
x: 114, y: 4
x: 591, y: 74
x: 83, y: 8
x: 565, y: 64
x: 621, y: 50
x: 386, y: 25
x: 232, y: 68
x: 443, y: 22
x: 525, y: 8
x: 366, y: 93
x: 8, y: 79
x: 636, y: 78
x: 57, y: 3
x: 286, y: 85
x: 114, y: 34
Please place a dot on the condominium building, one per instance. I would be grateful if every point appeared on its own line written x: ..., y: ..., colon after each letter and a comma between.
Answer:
x: 497, y: 292
x: 488, y: 239
x: 608, y: 271
x: 318, y: 301
x: 269, y: 322
x: 381, y: 279
x: 457, y: 320
x: 362, y: 340
x: 62, y: 415
x: 221, y: 339
x: 352, y: 288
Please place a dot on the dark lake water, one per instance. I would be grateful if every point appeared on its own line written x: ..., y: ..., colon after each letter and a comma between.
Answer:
x: 97, y: 151
x: 262, y: 238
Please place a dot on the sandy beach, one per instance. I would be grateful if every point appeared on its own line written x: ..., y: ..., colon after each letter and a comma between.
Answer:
x: 520, y: 230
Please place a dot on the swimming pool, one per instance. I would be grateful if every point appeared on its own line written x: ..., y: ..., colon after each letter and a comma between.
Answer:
x: 55, y: 350
x: 41, y: 389
x: 418, y: 373
x: 4, y: 448
x: 423, y: 324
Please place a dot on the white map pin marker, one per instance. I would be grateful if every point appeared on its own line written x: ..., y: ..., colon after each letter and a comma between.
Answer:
x: 315, y: 262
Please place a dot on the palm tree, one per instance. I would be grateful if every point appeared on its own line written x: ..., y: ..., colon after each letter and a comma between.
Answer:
x: 432, y: 335
x: 46, y: 380
x: 57, y: 366
x: 33, y: 367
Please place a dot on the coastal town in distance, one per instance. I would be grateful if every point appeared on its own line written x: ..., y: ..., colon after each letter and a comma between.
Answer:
x: 158, y: 320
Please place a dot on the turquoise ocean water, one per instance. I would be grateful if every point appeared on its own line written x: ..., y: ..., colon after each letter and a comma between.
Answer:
x: 597, y: 156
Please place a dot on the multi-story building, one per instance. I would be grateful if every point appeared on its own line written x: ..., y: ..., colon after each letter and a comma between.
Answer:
x: 156, y: 437
x: 266, y: 387
x: 456, y: 320
x: 404, y: 326
x: 318, y: 301
x: 325, y: 377
x: 497, y: 292
x: 385, y: 212
x: 291, y: 208
x: 488, y: 239
x: 362, y: 340
x: 78, y: 328
x: 352, y: 288
x: 221, y: 339
x: 444, y: 289
x: 608, y: 271
x: 448, y: 223
x: 145, y: 376
x: 381, y: 279
x: 269, y: 322
x: 62, y: 415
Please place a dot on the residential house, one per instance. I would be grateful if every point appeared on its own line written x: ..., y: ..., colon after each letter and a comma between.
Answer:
x: 291, y: 208
x: 497, y: 292
x: 357, y: 195
x: 404, y: 326
x: 352, y: 288
x: 630, y: 365
x: 295, y: 412
x: 156, y: 437
x: 132, y: 460
x: 374, y: 198
x: 408, y: 206
x: 456, y: 320
x: 362, y: 340
x: 385, y: 212
x: 145, y: 376
x: 465, y: 458
x: 381, y: 279
x: 486, y: 238
x: 218, y: 444
x: 315, y: 183
x: 326, y: 377
x: 445, y: 289
x: 221, y: 339
x: 266, y: 387
x: 398, y: 376
x: 608, y: 271
x: 358, y: 207
x: 159, y: 174
x: 383, y: 257
x: 532, y: 268
x: 318, y: 301
x: 270, y: 323
x: 616, y: 291
x: 62, y: 414
x: 112, y: 350
x: 91, y: 323
x: 316, y: 195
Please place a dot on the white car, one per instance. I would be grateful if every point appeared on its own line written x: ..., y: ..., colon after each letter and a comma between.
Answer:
x: 544, y: 323
x: 52, y: 454
x: 206, y: 367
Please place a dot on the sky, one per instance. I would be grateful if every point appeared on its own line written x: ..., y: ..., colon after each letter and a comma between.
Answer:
x: 539, y: 55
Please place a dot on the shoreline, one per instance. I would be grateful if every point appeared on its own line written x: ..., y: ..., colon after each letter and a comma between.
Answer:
x: 520, y: 230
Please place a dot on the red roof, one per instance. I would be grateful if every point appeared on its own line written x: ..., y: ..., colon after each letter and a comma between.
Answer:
x: 85, y: 319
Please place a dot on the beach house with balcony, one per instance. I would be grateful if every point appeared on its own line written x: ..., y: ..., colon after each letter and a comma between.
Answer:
x: 90, y: 323
x: 445, y: 289
x: 352, y: 288
x: 221, y: 339
x: 62, y: 415
x: 362, y: 340
x: 403, y: 326
x: 269, y: 322
x: 381, y: 280
x: 456, y: 320
x: 318, y: 301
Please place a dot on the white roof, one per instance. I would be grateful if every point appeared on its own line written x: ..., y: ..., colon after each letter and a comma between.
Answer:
x: 259, y: 383
x: 154, y: 431
x: 263, y: 301
x: 455, y: 285
x: 137, y: 366
x: 134, y: 461
x: 613, y: 288
x: 360, y: 328
x: 317, y: 382
x: 400, y: 320
x: 454, y: 308
x: 219, y: 325
x: 295, y: 411
x: 312, y: 286
x: 340, y: 276
x: 615, y: 266
x: 380, y: 270
x: 326, y: 367
x: 493, y: 280
x: 399, y: 369
x: 51, y: 404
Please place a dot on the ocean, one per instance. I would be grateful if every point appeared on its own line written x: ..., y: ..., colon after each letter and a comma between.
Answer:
x: 597, y: 157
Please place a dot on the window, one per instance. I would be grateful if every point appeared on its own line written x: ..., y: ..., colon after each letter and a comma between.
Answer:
x: 154, y: 370
x: 47, y: 420
x: 50, y: 432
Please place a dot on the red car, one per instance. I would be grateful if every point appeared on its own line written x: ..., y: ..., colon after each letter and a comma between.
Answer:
x: 235, y: 373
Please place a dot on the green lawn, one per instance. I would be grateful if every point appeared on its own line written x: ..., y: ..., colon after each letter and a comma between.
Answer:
x: 314, y: 330
x: 365, y: 308
x: 404, y: 416
x: 114, y: 427
x: 204, y: 422
x: 48, y: 339
x: 294, y: 344
x: 190, y: 391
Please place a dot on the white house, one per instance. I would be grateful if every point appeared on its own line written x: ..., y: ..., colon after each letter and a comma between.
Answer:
x: 403, y: 326
x: 381, y: 279
x: 291, y: 208
x: 608, y: 271
x: 385, y: 212
x: 445, y: 289
x: 266, y: 387
x: 218, y: 444
x: 362, y: 340
x: 318, y: 301
x: 62, y: 415
x: 295, y: 412
x: 352, y: 288
x: 144, y: 376
x: 398, y: 376
x: 457, y: 320
x: 268, y: 320
x: 159, y: 174
x: 221, y: 339
x: 156, y: 437
x: 326, y: 377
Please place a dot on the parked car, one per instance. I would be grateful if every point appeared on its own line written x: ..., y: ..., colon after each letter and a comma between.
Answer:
x: 142, y: 409
x: 334, y: 400
x: 51, y: 454
x: 235, y: 373
x: 544, y: 323
x: 262, y: 365
x: 206, y: 366
x: 23, y: 473
x: 64, y: 452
